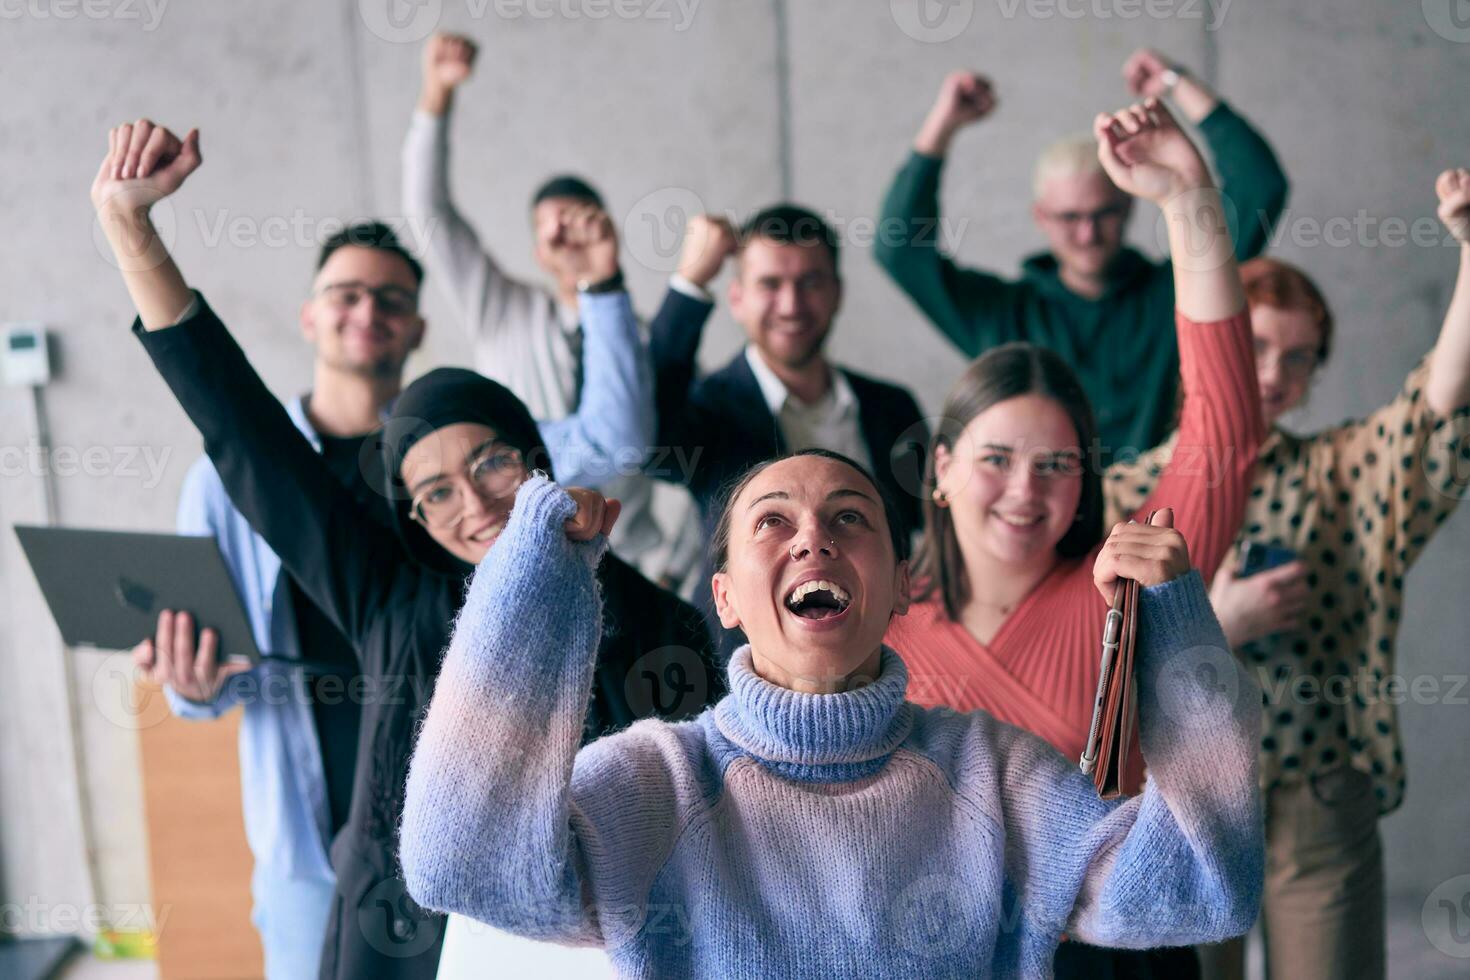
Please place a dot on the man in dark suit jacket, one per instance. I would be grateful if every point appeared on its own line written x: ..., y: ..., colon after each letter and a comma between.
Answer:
x: 780, y: 394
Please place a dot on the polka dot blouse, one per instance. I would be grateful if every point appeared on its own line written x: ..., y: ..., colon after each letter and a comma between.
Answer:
x: 1357, y: 503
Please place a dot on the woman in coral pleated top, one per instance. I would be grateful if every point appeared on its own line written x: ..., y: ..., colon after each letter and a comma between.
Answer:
x: 1007, y: 620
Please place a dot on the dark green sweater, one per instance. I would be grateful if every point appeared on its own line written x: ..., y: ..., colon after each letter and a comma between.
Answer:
x: 1122, y: 344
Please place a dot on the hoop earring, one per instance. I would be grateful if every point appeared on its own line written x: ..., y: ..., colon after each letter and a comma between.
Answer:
x: 940, y: 500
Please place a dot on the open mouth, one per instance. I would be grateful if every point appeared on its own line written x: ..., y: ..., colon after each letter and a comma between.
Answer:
x: 818, y: 599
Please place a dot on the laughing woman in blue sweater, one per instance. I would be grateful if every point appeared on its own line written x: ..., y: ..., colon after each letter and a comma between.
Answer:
x: 814, y: 822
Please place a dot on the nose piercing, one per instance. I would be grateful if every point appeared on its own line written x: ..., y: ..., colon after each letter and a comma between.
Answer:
x: 831, y: 549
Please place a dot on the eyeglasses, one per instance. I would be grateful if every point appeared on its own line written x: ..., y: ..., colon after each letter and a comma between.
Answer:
x: 495, y: 473
x: 392, y: 300
x: 1113, y: 212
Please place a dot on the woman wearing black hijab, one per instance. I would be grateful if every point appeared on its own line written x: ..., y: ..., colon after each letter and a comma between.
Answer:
x: 455, y: 449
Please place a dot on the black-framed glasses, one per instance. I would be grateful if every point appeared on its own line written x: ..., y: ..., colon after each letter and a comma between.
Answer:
x: 392, y: 300
x: 496, y: 472
x: 1113, y: 212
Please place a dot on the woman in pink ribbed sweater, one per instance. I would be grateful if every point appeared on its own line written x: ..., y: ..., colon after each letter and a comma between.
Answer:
x: 1007, y: 619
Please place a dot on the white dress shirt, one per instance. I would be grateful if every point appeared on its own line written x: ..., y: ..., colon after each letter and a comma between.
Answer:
x: 829, y: 423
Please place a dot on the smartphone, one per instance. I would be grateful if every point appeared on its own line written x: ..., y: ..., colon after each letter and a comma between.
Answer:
x: 1256, y: 557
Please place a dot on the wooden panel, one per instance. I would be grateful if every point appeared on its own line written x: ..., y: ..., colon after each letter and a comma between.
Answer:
x: 198, y: 857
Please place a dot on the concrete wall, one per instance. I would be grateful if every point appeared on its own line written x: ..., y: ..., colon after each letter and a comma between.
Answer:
x: 722, y: 104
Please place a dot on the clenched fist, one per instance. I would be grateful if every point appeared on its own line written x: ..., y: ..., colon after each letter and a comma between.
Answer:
x: 1146, y: 153
x: 595, y: 515
x: 964, y: 98
x: 581, y: 244
x: 1150, y: 554
x: 1453, y: 188
x: 448, y: 60
x: 1147, y: 73
x: 708, y: 241
x: 144, y: 164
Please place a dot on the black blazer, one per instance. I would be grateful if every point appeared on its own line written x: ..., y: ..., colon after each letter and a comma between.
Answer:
x: 711, y: 430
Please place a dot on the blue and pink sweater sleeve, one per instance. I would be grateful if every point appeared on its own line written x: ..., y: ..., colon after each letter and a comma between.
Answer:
x: 1180, y: 863
x: 492, y: 826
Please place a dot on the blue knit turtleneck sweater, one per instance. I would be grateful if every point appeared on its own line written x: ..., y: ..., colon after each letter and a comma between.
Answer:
x: 787, y: 834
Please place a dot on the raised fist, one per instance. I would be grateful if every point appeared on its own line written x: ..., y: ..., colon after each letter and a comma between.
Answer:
x: 964, y: 98
x: 144, y: 164
x: 583, y: 244
x: 708, y: 241
x: 1453, y: 188
x: 595, y: 515
x: 448, y: 60
x: 1146, y: 154
x: 1145, y: 72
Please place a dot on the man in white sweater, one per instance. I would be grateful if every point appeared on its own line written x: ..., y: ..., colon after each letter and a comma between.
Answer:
x: 526, y: 337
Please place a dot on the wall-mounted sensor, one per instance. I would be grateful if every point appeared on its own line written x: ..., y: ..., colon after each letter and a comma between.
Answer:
x: 23, y: 355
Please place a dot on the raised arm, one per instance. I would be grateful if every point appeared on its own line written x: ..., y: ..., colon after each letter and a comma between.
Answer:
x: 344, y: 558
x: 674, y: 335
x: 1251, y: 178
x: 973, y: 309
x: 1182, y: 863
x: 482, y: 295
x: 611, y: 432
x: 1448, y: 387
x: 503, y: 820
x: 1220, y: 431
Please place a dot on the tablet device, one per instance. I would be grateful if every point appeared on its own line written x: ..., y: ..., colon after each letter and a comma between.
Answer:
x: 106, y: 588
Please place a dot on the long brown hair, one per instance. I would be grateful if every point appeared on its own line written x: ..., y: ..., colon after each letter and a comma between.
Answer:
x: 1006, y: 372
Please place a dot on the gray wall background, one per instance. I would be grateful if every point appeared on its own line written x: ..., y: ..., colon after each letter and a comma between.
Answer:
x: 721, y: 104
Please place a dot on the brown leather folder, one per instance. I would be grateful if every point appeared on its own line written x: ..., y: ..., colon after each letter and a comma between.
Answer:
x: 1115, y: 712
